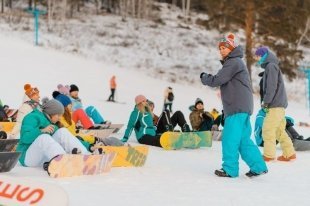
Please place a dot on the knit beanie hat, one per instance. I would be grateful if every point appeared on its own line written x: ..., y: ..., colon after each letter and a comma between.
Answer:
x: 63, y: 89
x: 64, y: 100
x: 261, y: 51
x: 73, y: 88
x: 139, y: 99
x: 52, y: 107
x: 228, y: 42
x: 198, y: 100
x: 30, y: 91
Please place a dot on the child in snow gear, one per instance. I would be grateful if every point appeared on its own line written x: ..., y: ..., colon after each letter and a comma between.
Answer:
x: 79, y: 113
x: 274, y: 102
x: 41, y: 137
x: 31, y: 101
x: 168, y: 99
x: 236, y: 94
x: 113, y: 88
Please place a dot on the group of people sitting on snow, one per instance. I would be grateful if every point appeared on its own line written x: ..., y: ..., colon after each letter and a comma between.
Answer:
x: 49, y: 129
x: 58, y: 118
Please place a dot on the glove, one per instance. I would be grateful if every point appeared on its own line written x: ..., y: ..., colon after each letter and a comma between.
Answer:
x: 265, y: 107
x: 201, y: 75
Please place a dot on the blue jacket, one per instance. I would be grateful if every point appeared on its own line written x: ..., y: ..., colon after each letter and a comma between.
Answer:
x: 141, y: 123
x: 235, y: 84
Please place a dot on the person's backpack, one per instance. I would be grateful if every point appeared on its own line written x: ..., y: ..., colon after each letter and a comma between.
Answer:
x: 170, y: 96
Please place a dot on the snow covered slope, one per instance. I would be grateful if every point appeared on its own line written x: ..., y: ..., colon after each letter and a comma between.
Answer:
x: 169, y: 177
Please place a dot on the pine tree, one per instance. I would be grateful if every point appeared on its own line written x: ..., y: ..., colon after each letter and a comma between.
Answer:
x: 278, y: 24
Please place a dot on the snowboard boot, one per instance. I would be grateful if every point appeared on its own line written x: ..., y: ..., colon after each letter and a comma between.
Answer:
x: 169, y: 128
x: 267, y: 159
x: 186, y: 128
x: 98, y: 151
x: 3, y: 135
x: 254, y: 174
x: 76, y: 151
x: 286, y: 159
x: 46, y: 164
x: 221, y: 173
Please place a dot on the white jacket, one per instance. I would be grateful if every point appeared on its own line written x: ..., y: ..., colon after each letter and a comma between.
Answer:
x: 22, y: 112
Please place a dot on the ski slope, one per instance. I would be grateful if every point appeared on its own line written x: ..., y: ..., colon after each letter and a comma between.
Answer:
x: 182, y: 177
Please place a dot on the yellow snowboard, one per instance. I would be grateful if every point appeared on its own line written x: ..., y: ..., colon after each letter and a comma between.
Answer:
x: 192, y: 140
x: 128, y: 156
x: 7, y: 126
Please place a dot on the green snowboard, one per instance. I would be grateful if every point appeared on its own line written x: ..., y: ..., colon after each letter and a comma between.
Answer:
x: 192, y: 140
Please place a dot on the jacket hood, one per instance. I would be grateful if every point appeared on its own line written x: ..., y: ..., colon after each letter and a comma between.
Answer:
x: 271, y: 58
x: 237, y: 52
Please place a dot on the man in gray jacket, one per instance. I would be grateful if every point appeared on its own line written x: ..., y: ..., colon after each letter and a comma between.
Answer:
x: 274, y: 104
x: 236, y: 93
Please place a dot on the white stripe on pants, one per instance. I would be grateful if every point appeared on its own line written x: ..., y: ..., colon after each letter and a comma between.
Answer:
x: 46, y: 147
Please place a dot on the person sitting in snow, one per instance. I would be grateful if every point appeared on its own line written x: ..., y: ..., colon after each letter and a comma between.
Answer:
x: 298, y: 141
x: 31, y: 101
x: 42, y: 139
x: 201, y: 120
x: 141, y: 121
x: 91, y: 111
x: 89, y: 141
x: 166, y: 123
x: 236, y: 94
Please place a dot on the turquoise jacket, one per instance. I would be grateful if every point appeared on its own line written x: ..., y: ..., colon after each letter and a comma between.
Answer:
x: 142, y: 123
x: 30, y: 130
x: 76, y: 103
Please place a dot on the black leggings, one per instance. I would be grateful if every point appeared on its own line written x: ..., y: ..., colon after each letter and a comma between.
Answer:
x: 165, y: 120
x: 150, y: 140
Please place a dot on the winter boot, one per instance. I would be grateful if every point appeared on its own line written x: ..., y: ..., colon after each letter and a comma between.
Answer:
x: 254, y: 174
x: 169, y: 128
x: 186, y: 128
x: 98, y: 151
x: 286, y: 159
x: 268, y: 159
x: 3, y: 135
x: 76, y: 151
x: 221, y: 173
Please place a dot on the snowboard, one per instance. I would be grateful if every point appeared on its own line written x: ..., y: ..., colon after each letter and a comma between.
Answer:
x: 7, y: 126
x: 8, y: 160
x: 8, y: 145
x: 116, y: 127
x: 128, y: 156
x: 69, y: 165
x: 192, y: 140
x: 22, y: 191
x: 100, y: 133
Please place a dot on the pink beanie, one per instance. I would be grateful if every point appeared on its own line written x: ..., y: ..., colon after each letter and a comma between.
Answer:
x: 140, y: 98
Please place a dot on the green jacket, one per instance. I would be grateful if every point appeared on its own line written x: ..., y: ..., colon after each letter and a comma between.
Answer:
x: 141, y: 123
x: 30, y: 130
